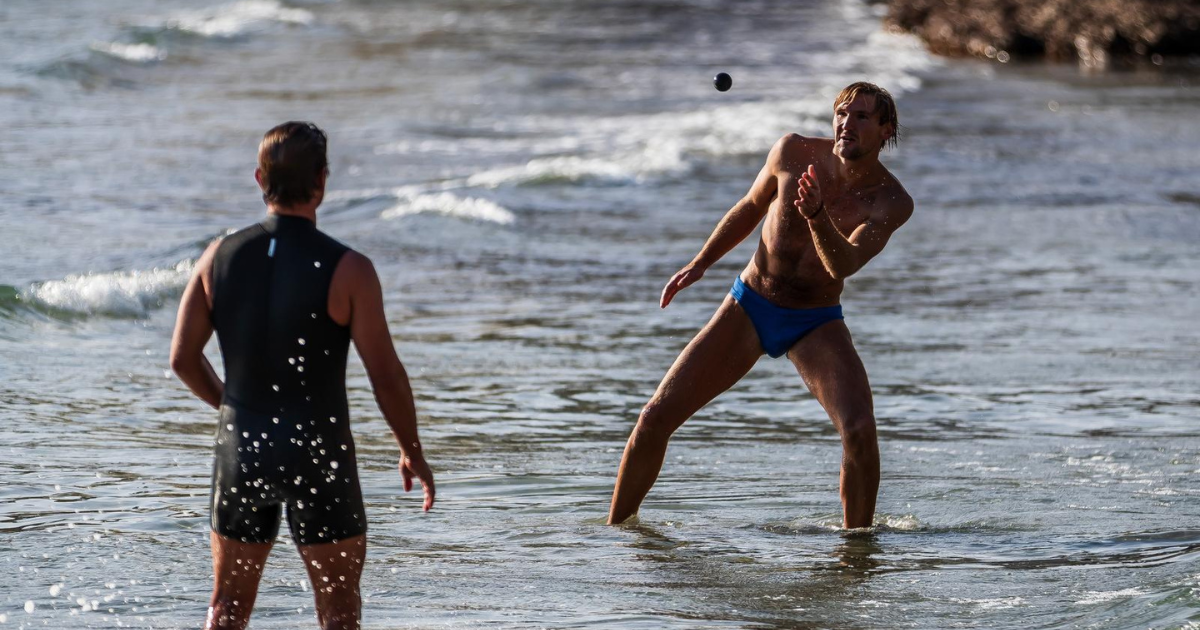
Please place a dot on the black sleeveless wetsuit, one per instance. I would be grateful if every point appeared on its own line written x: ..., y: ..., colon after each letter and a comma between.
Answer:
x: 284, y: 434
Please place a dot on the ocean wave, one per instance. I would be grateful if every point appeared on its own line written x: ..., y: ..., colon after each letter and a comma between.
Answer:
x: 635, y: 149
x: 132, y: 53
x: 450, y: 205
x: 565, y: 169
x: 237, y: 19
x: 122, y: 293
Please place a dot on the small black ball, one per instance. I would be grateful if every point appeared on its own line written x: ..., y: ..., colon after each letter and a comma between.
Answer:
x: 723, y: 81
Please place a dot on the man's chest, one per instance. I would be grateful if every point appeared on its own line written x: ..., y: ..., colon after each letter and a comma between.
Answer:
x: 847, y: 208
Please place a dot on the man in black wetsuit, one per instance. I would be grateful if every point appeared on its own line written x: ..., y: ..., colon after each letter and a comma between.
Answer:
x: 285, y: 301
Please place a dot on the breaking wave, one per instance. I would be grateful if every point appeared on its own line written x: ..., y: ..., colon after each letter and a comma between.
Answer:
x: 120, y: 293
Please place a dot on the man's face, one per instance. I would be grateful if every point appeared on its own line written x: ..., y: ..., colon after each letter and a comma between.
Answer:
x: 856, y: 128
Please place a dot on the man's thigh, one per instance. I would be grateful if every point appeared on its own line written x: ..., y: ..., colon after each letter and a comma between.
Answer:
x: 716, y: 358
x: 830, y: 366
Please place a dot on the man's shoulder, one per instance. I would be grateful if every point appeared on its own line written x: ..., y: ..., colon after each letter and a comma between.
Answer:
x: 356, y: 264
x: 893, y: 200
x: 794, y: 152
x: 357, y: 272
x: 796, y: 142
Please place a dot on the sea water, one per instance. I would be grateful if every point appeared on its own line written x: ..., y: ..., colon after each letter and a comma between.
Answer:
x: 526, y: 175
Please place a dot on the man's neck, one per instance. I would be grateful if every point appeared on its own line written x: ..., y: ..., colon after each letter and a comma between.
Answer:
x: 852, y: 173
x: 306, y: 211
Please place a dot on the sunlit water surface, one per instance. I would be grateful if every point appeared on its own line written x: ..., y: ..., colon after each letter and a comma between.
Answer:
x: 526, y: 175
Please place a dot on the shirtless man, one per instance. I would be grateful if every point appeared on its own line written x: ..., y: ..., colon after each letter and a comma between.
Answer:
x: 285, y: 301
x: 830, y: 206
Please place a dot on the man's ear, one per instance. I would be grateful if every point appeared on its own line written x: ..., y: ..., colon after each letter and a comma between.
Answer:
x: 258, y: 177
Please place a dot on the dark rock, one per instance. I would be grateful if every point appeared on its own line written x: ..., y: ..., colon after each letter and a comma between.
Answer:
x: 1095, y: 32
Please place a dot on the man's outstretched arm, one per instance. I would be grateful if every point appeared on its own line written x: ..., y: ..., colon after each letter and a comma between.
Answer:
x: 734, y: 227
x: 193, y: 328
x: 389, y: 380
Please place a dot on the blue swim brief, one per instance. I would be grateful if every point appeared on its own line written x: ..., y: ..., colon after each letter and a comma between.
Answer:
x: 780, y: 328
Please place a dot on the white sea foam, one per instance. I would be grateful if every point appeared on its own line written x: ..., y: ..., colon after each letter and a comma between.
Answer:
x: 1099, y: 597
x: 133, y: 53
x: 450, y: 205
x: 126, y: 293
x: 994, y: 603
x: 238, y: 18
x: 903, y: 522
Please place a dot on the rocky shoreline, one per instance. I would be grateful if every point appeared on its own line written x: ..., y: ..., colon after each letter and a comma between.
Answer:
x: 1095, y: 32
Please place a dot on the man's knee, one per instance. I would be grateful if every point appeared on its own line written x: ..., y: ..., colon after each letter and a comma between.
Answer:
x: 655, y: 423
x: 859, y: 439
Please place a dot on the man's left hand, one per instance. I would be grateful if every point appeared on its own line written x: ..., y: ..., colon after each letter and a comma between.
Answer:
x: 809, y: 204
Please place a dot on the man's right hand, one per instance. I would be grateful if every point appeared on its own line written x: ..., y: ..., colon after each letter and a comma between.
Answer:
x: 417, y: 467
x: 683, y: 278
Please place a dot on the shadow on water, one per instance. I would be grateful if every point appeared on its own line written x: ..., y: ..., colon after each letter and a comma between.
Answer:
x: 721, y: 581
x: 807, y: 582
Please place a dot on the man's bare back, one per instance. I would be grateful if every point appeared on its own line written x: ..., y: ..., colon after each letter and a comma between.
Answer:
x: 828, y: 207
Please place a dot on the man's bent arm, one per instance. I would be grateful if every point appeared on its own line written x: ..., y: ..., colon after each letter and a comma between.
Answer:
x: 842, y: 256
x: 193, y: 328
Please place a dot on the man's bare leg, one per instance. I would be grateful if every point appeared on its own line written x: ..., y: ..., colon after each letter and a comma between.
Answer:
x: 237, y: 569
x: 829, y: 365
x: 719, y: 356
x: 335, y: 570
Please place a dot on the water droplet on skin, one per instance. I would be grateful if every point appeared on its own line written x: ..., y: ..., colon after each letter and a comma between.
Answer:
x: 229, y: 427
